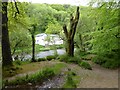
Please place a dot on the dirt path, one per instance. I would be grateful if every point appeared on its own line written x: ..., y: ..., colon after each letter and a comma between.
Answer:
x: 98, y: 77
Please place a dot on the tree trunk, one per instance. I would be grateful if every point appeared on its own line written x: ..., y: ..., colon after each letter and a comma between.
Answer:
x: 81, y: 43
x: 70, y: 47
x: 6, y: 50
x: 32, y: 32
x: 70, y: 35
x: 33, y: 48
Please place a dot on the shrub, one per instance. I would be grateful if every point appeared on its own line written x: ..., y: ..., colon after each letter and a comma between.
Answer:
x: 85, y: 65
x: 41, y: 59
x: 111, y: 64
x: 106, y: 61
x: 81, y: 53
x: 99, y: 60
x: 67, y: 58
x: 63, y: 58
x: 51, y: 57
x: 74, y: 59
x: 18, y: 62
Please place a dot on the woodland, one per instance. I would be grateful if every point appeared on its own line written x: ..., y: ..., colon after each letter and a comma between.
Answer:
x: 90, y: 37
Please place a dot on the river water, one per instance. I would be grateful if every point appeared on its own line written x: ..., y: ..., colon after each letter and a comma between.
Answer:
x: 43, y: 54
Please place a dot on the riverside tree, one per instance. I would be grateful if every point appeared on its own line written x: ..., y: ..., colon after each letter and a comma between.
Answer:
x: 6, y: 50
x: 71, y: 33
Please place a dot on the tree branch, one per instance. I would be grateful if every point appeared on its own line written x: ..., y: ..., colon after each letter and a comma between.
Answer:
x: 16, y: 9
x: 16, y: 46
x: 71, y: 24
x: 65, y: 30
x: 77, y: 14
x: 75, y: 22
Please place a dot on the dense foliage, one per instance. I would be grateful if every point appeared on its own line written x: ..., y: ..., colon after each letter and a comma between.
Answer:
x: 97, y: 30
x: 98, y: 33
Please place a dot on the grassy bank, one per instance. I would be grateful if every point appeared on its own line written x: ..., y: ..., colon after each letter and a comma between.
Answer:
x: 43, y: 74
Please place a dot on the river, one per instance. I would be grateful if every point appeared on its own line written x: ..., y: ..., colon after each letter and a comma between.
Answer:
x: 43, y: 54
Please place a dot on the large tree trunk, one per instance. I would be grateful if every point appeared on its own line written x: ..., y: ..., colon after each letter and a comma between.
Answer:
x: 6, y: 50
x: 70, y: 35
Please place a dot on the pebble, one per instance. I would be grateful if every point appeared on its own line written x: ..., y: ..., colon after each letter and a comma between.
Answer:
x: 29, y: 83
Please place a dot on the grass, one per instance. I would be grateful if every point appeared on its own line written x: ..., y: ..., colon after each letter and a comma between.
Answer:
x: 18, y: 62
x: 72, y: 80
x: 34, y: 78
x: 58, y: 67
x: 34, y: 66
x: 8, y: 72
x: 39, y: 76
x: 25, y: 67
x: 17, y: 67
